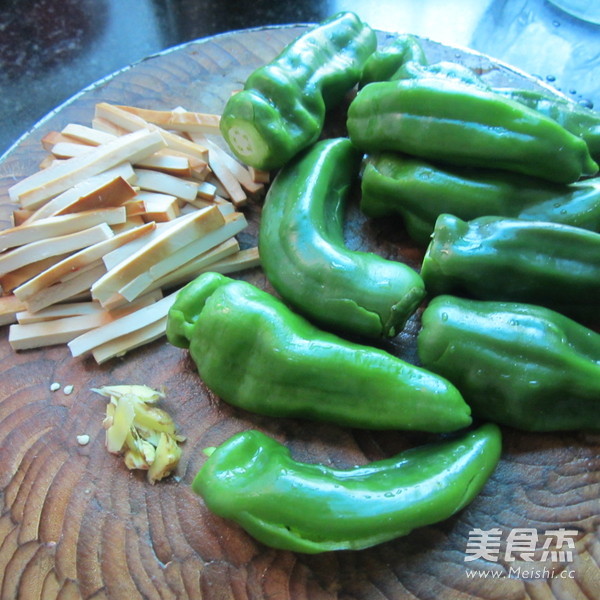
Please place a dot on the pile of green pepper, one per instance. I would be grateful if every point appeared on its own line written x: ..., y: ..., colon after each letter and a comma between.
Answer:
x: 496, y: 185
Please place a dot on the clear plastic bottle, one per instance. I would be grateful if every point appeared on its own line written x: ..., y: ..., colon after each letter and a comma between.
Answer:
x: 547, y: 42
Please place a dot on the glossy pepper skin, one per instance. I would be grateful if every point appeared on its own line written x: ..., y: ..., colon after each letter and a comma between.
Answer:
x: 303, y: 254
x: 419, y: 191
x: 492, y: 258
x: 384, y: 63
x: 312, y: 508
x: 579, y: 120
x: 256, y: 354
x: 404, y: 58
x: 516, y: 364
x: 443, y: 69
x: 282, y: 106
x: 445, y: 119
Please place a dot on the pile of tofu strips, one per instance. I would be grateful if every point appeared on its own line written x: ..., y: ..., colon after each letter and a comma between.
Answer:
x: 120, y: 215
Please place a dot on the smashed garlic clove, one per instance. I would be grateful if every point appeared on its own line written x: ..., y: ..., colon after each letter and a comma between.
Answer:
x: 143, y: 433
x: 122, y: 421
x: 152, y: 437
x: 154, y: 419
x: 148, y: 451
x: 141, y: 392
x: 134, y: 460
x: 110, y: 416
x: 167, y: 457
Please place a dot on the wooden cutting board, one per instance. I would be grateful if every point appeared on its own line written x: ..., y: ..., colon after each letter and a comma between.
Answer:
x: 75, y: 523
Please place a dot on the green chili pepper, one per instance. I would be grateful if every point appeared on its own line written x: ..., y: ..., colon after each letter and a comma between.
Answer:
x: 404, y: 58
x: 443, y: 69
x: 420, y: 191
x: 451, y: 121
x: 303, y: 254
x: 311, y: 508
x: 516, y: 364
x: 579, y: 120
x: 282, y: 107
x: 383, y: 64
x: 417, y: 228
x: 492, y: 258
x: 256, y: 354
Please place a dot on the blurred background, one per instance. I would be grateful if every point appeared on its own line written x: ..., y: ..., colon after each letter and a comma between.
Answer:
x: 52, y: 49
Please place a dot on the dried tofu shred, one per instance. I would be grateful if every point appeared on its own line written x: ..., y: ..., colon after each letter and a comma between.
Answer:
x: 128, y: 188
x: 142, y: 432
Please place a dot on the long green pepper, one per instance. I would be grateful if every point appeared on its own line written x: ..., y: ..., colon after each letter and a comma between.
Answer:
x: 311, y: 508
x: 452, y: 121
x: 444, y: 70
x: 283, y: 104
x: 516, y: 364
x: 492, y: 258
x: 420, y: 191
x: 404, y: 58
x: 256, y: 354
x: 303, y: 254
x: 384, y: 63
x: 579, y: 120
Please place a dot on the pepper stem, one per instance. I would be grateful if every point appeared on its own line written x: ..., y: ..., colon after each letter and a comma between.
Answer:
x: 246, y: 142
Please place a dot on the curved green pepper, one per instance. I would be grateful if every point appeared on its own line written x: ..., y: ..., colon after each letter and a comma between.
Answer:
x: 420, y: 191
x: 492, y: 258
x: 383, y: 64
x: 579, y: 120
x: 256, y: 354
x: 302, y: 250
x: 516, y: 364
x: 282, y: 107
x: 311, y: 508
x: 451, y: 121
